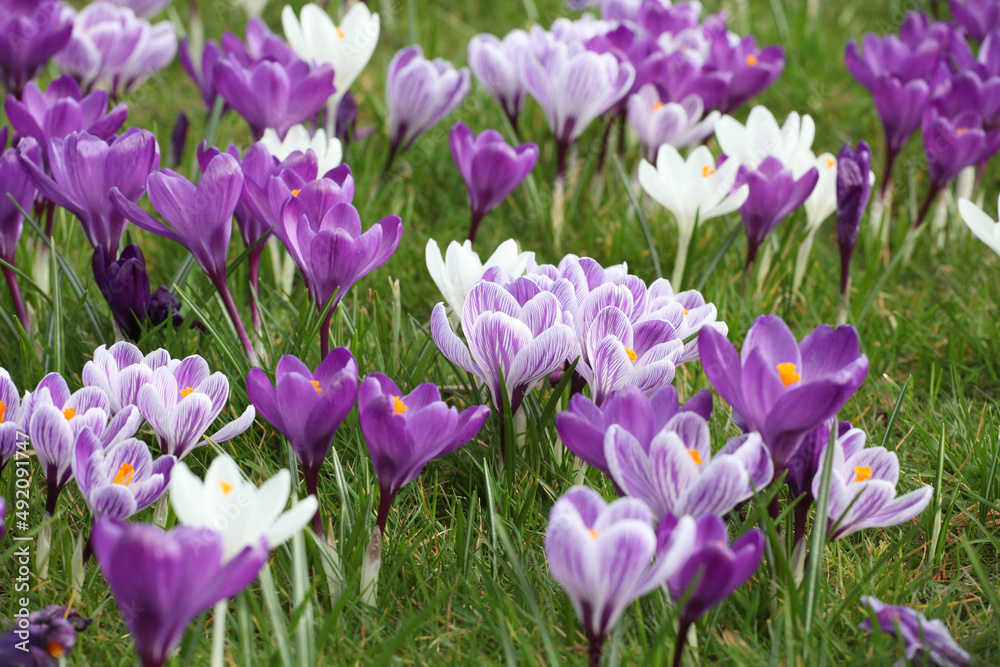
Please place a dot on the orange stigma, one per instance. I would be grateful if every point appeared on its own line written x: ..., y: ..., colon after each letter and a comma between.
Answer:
x: 3, y: 409
x: 593, y: 534
x: 398, y: 406
x: 862, y: 473
x: 752, y: 60
x: 830, y: 163
x: 340, y: 33
x: 632, y: 356
x: 69, y: 413
x: 55, y: 649
x: 960, y: 131
x: 707, y: 171
x: 226, y: 488
x: 187, y: 391
x: 295, y: 193
x: 695, y: 455
x: 658, y: 105
x: 124, y: 476
x: 315, y: 384
x: 789, y: 374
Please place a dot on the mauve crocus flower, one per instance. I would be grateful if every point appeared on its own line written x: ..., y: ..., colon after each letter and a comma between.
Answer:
x: 163, y: 580
x: 774, y: 194
x: 982, y: 225
x: 779, y: 387
x: 124, y: 284
x: 977, y: 18
x: 495, y: 64
x: 307, y: 407
x: 121, y: 370
x: 516, y: 330
x: 85, y: 168
x: 491, y: 168
x: 12, y: 424
x: 18, y: 186
x: 676, y: 472
x: 45, y: 640
x: 180, y: 402
x: 419, y: 94
x: 863, y: 488
x: 749, y: 70
x: 712, y: 568
x: 122, y: 481
x: 406, y: 432
x: 201, y: 72
x: 34, y: 31
x: 854, y: 190
x: 146, y: 9
x: 672, y: 123
x: 201, y: 220
x: 926, y: 641
x: 606, y: 556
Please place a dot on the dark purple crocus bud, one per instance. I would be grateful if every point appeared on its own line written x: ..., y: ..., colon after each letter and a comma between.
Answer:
x: 50, y: 634
x: 976, y: 18
x: 33, y: 31
x: 124, y: 284
x: 854, y: 189
x: 347, y: 119
x: 774, y: 194
x: 163, y: 305
x: 178, y: 139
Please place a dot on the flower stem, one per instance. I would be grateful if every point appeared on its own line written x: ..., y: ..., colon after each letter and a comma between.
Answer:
x: 219, y: 633
x: 311, y: 473
x: 680, y: 261
x: 384, y: 505
x: 324, y: 335
x: 477, y: 218
x: 253, y: 268
x: 890, y: 160
x: 15, y: 294
x: 595, y: 649
x: 682, y: 633
x: 931, y: 195
x: 234, y: 315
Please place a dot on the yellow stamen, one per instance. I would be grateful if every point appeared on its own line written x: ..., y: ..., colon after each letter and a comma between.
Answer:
x: 706, y: 171
x: 695, y: 455
x: 398, y: 406
x: 863, y: 473
x: 830, y: 163
x: 340, y: 33
x: 315, y: 384
x: 69, y: 413
x: 3, y: 409
x: 789, y: 374
x: 55, y: 649
x: 124, y: 475
x: 593, y: 534
x: 686, y: 311
x: 295, y: 193
x: 960, y: 131
x: 186, y: 392
x: 658, y: 105
x: 752, y: 60
x: 226, y: 488
x: 632, y: 356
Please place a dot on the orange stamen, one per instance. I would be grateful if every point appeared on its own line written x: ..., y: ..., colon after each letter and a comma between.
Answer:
x: 315, y: 384
x: 3, y: 409
x: 863, y: 473
x: 186, y: 392
x: 398, y: 406
x: 69, y: 413
x: 124, y: 475
x: 695, y: 455
x: 658, y: 105
x: 789, y: 374
x: 593, y: 534
x: 226, y: 488
x: 707, y: 171
x: 632, y: 356
x: 752, y: 60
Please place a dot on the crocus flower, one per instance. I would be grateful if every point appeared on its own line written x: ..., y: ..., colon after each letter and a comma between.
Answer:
x: 676, y: 472
x: 122, y: 481
x: 458, y: 271
x: 85, y: 169
x: 146, y: 9
x: 201, y: 220
x: 50, y: 634
x: 307, y: 407
x: 253, y: 8
x: 761, y: 138
x: 120, y: 370
x: 234, y: 507
x: 977, y: 18
x: 774, y: 194
x: 863, y: 488
x: 18, y: 185
x: 982, y: 225
x: 606, y: 556
x: 163, y: 580
x: 329, y: 152
x: 712, y: 568
x: 164, y: 306
x: 495, y: 64
x: 694, y: 190
x: 749, y: 70
x: 659, y: 123
x: 34, y: 31
x: 181, y: 401
x: 819, y: 205
x: 124, y: 284
x: 406, y: 432
x: 347, y: 47
x: 522, y: 337
x: 854, y: 189
x: 178, y: 140
x: 491, y: 168
x: 779, y: 387
x: 419, y: 94
x: 11, y: 420
x: 201, y: 71
x: 927, y: 641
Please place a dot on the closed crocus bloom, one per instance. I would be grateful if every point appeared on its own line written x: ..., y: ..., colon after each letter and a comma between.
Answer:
x: 926, y: 641
x: 495, y: 64
x: 863, y: 488
x: 124, y: 284
x: 491, y: 168
x: 146, y: 9
x: 694, y: 190
x: 406, y: 432
x: 163, y: 580
x: 307, y: 407
x: 761, y: 138
x: 977, y: 18
x: 181, y: 401
x: 854, y: 190
x: 201, y: 70
x: 120, y: 482
x: 677, y: 124
x: 458, y: 271
x: 19, y: 192
x: 819, y: 206
x: 240, y: 512
x: 85, y: 168
x: 35, y: 31
x: 329, y: 153
x: 48, y: 635
x: 982, y: 225
x: 514, y: 329
x: 120, y: 370
x: 419, y: 94
x: 782, y: 388
x: 605, y: 556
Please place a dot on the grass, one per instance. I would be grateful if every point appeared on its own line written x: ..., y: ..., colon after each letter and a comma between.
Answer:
x: 463, y: 577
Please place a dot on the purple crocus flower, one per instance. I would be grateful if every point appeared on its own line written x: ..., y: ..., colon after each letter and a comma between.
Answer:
x: 661, y: 122
x: 582, y: 426
x: 120, y: 371
x: 677, y: 474
x: 494, y: 62
x: 12, y: 426
x: 712, y: 568
x: 307, y: 407
x: 863, y: 488
x: 926, y: 641
x: 774, y: 194
x: 120, y: 482
x: 977, y: 18
x: 201, y: 72
x: 749, y: 70
x: 124, y: 284
x: 606, y: 556
x: 406, y: 432
x: 34, y: 31
x: 17, y: 185
x: 854, y: 189
x: 491, y: 168
x: 657, y: 17
x: 779, y: 387
x: 50, y: 634
x: 85, y: 169
x: 143, y: 8
x: 201, y: 220
x: 162, y: 580
x: 419, y: 94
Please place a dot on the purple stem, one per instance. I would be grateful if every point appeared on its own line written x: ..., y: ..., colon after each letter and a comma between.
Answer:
x: 931, y: 196
x: 311, y: 473
x: 605, y: 140
x: 253, y: 266
x: 477, y: 218
x: 562, y: 150
x: 682, y: 632
x: 845, y: 270
x: 15, y: 294
x: 50, y: 214
x: 384, y: 505
x: 594, y: 649
x: 890, y: 160
x: 324, y: 335
x: 234, y: 315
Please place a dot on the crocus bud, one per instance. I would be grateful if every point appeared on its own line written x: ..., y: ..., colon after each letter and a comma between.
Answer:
x: 854, y: 189
x: 124, y: 284
x: 178, y: 139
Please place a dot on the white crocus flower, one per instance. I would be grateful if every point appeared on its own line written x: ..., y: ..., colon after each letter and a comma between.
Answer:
x: 253, y: 8
x: 820, y: 205
x: 329, y: 152
x: 348, y: 47
x: 234, y: 507
x: 693, y: 190
x: 460, y: 269
x: 761, y: 137
x: 982, y: 225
